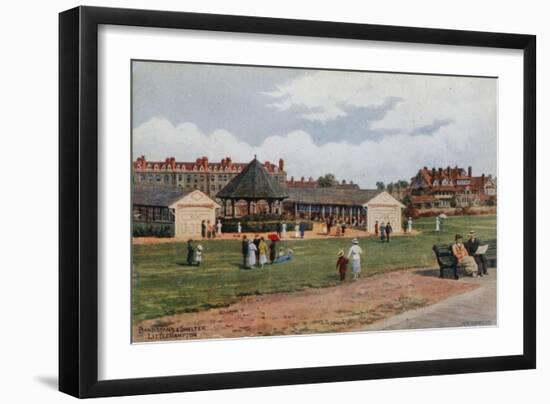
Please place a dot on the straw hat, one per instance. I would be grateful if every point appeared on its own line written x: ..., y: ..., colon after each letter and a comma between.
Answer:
x: 354, y: 241
x: 471, y: 233
x: 341, y: 253
x: 199, y: 247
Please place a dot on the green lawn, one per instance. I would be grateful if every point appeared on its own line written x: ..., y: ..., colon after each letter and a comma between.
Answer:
x: 164, y: 285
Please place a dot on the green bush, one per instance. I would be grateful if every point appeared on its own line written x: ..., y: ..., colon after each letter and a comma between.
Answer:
x: 153, y: 229
x: 260, y: 224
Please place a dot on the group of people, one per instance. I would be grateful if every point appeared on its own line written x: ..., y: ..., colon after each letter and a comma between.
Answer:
x: 256, y: 252
x: 194, y: 254
x: 384, y: 229
x: 339, y: 227
x: 209, y: 231
x: 466, y: 254
x: 353, y: 255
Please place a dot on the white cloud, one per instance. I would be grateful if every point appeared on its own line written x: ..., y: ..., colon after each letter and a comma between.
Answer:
x: 468, y: 102
x: 392, y: 158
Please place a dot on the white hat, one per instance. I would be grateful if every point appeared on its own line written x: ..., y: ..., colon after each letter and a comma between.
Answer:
x: 199, y: 247
x: 354, y: 241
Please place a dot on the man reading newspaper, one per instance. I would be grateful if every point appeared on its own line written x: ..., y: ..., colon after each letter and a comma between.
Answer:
x: 476, y: 250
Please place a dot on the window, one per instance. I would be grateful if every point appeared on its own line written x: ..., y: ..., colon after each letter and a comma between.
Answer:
x: 180, y: 177
x: 158, y: 178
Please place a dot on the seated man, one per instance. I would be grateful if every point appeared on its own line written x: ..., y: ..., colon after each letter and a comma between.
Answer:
x: 472, y: 245
x: 463, y: 258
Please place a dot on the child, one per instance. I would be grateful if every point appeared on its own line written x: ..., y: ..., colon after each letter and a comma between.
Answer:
x: 342, y: 265
x: 198, y: 255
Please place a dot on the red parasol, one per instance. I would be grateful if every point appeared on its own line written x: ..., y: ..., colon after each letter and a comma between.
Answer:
x: 273, y: 237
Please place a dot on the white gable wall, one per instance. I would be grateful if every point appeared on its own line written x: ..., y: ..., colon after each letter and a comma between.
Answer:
x: 384, y: 208
x: 190, y: 211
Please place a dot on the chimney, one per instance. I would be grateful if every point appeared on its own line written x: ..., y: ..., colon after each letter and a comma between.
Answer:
x: 425, y: 168
x: 343, y: 182
x: 448, y: 170
x: 433, y: 171
x: 281, y: 165
x: 292, y: 179
x: 440, y: 171
x: 482, y: 179
x: 469, y: 171
x: 302, y: 180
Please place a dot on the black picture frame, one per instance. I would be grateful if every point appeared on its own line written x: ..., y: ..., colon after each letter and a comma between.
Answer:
x: 78, y: 200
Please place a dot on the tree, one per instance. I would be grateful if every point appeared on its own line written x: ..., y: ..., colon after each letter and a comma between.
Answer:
x: 380, y: 186
x: 326, y: 181
x: 453, y: 202
x: 402, y: 184
x: 406, y: 200
x: 390, y: 187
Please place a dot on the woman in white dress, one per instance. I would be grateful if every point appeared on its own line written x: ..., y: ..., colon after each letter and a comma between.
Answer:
x: 283, y: 231
x: 239, y: 228
x: 251, y: 254
x: 297, y: 230
x: 219, y: 226
x: 354, y: 255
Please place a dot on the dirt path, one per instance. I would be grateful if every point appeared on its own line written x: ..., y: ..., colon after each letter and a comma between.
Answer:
x: 347, y: 307
x: 316, y: 233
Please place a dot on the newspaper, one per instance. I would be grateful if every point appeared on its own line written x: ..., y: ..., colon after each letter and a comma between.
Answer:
x: 482, y: 249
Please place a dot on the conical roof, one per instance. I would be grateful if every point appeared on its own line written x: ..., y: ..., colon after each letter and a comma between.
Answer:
x: 254, y: 182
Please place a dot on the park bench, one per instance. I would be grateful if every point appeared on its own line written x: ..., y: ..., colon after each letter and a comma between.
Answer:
x: 446, y: 259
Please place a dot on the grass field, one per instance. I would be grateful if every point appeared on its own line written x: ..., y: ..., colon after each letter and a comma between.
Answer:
x: 163, y: 285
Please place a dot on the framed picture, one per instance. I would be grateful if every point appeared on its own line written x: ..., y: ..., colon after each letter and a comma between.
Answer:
x: 251, y: 201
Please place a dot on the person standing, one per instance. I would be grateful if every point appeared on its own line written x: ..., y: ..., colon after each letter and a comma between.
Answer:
x: 239, y: 228
x: 437, y: 223
x: 244, y: 251
x: 190, y: 252
x: 344, y: 227
x: 279, y: 229
x: 389, y: 230
x: 262, y: 252
x: 219, y: 226
x: 283, y: 231
x: 297, y: 230
x: 472, y: 245
x: 198, y: 255
x: 354, y: 255
x: 251, y: 257
x: 208, y: 230
x: 302, y: 229
x: 463, y: 258
x: 382, y: 232
x: 203, y: 229
x: 272, y: 251
x: 329, y: 225
x: 376, y: 228
x: 409, y: 225
x: 342, y: 265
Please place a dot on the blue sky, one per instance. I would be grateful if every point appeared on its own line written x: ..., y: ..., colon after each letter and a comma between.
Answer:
x: 362, y: 126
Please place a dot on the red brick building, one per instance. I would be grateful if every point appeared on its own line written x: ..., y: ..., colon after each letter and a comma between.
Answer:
x: 451, y: 187
x: 206, y: 176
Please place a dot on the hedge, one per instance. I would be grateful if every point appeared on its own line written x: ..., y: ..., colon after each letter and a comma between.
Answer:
x: 259, y: 226
x: 141, y: 229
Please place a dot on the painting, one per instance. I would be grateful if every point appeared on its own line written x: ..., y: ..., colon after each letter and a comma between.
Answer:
x: 274, y: 201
